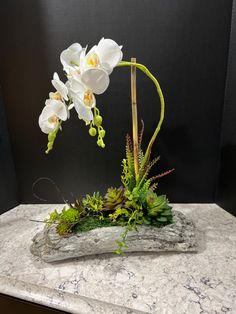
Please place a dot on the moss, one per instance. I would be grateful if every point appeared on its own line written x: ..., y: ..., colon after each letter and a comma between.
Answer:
x: 92, y: 222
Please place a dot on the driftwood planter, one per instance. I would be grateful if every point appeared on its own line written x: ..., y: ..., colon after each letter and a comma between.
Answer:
x: 179, y: 237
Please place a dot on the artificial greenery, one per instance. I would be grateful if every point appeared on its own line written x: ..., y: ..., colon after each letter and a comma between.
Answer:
x: 93, y: 203
x: 92, y: 222
x: 132, y: 204
x: 65, y: 220
x: 114, y: 198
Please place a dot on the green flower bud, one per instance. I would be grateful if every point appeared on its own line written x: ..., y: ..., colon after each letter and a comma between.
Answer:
x: 102, y: 133
x: 99, y: 142
x: 92, y: 131
x: 51, y: 136
x: 98, y: 120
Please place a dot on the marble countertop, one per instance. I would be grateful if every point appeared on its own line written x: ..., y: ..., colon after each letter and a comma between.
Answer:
x: 163, y: 283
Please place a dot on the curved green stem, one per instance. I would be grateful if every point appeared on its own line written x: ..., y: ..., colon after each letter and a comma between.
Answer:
x: 162, y: 102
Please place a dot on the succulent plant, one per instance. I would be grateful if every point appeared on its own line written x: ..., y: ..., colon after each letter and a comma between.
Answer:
x: 114, y: 198
x: 159, y: 210
x: 93, y: 203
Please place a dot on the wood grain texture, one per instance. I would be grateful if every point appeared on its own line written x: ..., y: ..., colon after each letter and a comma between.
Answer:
x: 177, y: 237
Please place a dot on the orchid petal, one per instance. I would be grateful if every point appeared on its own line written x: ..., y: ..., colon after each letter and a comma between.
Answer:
x: 83, y: 53
x: 44, y: 123
x: 59, y: 109
x: 109, y: 52
x: 84, y: 58
x: 75, y: 74
x: 45, y: 126
x: 47, y: 112
x: 84, y: 113
x: 48, y: 102
x: 67, y: 83
x: 71, y: 56
x: 77, y: 88
x: 56, y: 76
x: 71, y: 106
x: 96, y: 79
x: 60, y: 86
x: 51, y: 94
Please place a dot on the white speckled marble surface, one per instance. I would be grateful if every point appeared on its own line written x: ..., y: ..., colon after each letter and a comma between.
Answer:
x: 167, y: 283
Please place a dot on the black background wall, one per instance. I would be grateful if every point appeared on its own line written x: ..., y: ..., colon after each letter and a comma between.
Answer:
x: 8, y: 184
x: 184, y: 43
x: 226, y: 193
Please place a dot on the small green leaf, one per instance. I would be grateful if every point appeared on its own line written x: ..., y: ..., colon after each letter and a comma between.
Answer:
x: 162, y: 219
x: 166, y: 212
x: 147, y: 220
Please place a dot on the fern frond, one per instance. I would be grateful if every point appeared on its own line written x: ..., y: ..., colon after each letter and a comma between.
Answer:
x: 162, y: 174
x: 140, y: 157
x: 144, y: 190
x: 129, y: 154
x: 143, y: 173
x: 130, y: 161
x: 146, y: 160
x: 153, y: 162
x: 153, y: 186
x: 140, y: 137
x: 125, y: 176
x: 129, y: 144
x: 119, y: 212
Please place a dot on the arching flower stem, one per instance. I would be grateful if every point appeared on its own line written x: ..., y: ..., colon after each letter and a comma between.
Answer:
x: 162, y: 103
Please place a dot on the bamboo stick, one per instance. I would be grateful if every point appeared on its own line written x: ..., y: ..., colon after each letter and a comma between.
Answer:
x: 134, y: 117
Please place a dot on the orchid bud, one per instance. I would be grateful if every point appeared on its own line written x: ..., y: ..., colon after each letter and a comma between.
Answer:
x: 99, y: 142
x: 92, y: 131
x: 102, y: 133
x: 51, y: 137
x: 98, y: 120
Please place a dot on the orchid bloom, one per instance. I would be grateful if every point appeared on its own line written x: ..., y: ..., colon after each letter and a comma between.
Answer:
x: 83, y: 99
x: 53, y: 112
x: 98, y: 63
x: 61, y: 89
x: 96, y: 79
x: 70, y: 58
x: 106, y: 55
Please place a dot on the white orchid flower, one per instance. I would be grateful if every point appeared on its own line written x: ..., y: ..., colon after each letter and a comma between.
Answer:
x: 83, y: 99
x: 53, y: 112
x: 61, y: 89
x: 106, y: 55
x: 70, y: 58
x: 98, y: 63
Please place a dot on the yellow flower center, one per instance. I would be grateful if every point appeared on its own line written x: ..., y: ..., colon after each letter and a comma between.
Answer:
x: 56, y: 96
x: 93, y: 60
x: 53, y: 119
x: 88, y: 98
